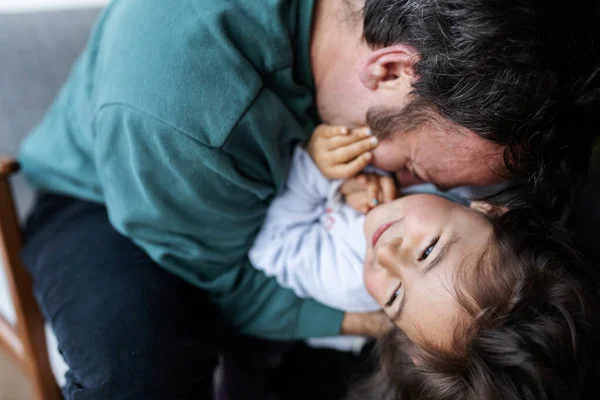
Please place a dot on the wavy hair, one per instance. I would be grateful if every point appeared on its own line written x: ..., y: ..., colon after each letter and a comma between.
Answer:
x: 519, y: 73
x: 533, y: 331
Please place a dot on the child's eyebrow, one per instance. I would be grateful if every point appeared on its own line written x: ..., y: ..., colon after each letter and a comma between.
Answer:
x: 454, y: 238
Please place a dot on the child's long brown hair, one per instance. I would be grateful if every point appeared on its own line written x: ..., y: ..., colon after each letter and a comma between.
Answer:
x: 532, y: 332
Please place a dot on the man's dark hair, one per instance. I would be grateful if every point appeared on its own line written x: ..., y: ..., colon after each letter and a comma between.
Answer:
x: 521, y: 73
x: 533, y: 331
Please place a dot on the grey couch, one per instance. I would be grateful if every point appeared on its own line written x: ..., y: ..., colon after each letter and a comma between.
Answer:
x: 36, y: 54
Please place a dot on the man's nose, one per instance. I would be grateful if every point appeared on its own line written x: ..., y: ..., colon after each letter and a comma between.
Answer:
x: 407, y: 178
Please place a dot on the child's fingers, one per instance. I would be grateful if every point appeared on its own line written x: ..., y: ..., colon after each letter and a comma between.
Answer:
x: 388, y: 188
x: 373, y: 191
x: 362, y: 179
x: 357, y: 183
x: 358, y: 201
x: 331, y: 131
x: 344, y: 171
x: 350, y: 152
x: 363, y: 131
x: 344, y: 140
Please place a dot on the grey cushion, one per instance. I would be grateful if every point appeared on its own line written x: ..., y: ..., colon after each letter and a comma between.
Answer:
x: 36, y: 54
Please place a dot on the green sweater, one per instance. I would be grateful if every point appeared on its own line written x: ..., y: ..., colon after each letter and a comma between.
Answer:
x: 181, y: 117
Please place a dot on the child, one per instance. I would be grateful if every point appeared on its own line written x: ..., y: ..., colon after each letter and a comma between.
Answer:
x: 312, y: 239
x: 487, y: 307
x: 526, y: 324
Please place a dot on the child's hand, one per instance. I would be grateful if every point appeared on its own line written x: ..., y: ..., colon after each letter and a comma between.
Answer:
x: 374, y: 324
x: 340, y: 153
x: 365, y: 191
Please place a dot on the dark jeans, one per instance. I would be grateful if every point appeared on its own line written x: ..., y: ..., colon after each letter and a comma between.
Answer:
x: 127, y: 328
x: 130, y: 330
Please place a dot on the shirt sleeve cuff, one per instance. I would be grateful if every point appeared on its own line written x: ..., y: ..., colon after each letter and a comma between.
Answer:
x: 335, y: 200
x: 317, y: 320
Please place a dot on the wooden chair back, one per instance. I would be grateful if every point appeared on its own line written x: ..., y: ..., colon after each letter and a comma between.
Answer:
x: 26, y: 340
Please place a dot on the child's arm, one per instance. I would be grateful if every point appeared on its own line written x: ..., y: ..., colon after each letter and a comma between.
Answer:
x: 295, y: 246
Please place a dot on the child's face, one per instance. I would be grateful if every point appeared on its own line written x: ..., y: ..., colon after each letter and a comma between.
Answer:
x: 415, y: 244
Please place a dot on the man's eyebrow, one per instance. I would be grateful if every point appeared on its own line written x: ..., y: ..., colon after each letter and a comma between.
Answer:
x: 442, y: 253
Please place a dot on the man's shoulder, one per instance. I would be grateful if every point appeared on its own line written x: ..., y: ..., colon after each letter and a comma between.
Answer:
x: 259, y: 30
x: 197, y: 65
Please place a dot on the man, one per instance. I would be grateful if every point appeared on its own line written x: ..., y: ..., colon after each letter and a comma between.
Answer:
x: 175, y: 131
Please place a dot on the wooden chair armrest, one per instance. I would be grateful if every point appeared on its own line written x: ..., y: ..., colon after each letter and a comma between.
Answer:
x: 8, y: 166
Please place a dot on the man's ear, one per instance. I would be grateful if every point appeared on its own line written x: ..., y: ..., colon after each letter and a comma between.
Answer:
x: 389, y: 67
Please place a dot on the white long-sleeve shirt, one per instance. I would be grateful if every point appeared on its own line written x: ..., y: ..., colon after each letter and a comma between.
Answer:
x: 312, y: 243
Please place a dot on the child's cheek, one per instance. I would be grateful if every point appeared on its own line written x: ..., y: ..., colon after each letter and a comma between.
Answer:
x: 374, y: 283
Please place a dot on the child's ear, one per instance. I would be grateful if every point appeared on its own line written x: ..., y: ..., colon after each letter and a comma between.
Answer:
x: 488, y: 209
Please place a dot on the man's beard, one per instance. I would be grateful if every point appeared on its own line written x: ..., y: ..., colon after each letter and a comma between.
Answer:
x: 385, y: 122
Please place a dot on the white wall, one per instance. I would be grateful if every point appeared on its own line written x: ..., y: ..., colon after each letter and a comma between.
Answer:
x: 18, y: 6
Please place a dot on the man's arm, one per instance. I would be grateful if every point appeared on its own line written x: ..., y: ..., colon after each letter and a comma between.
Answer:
x: 191, y: 210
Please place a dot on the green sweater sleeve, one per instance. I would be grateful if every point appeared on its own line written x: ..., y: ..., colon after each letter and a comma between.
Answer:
x: 191, y: 209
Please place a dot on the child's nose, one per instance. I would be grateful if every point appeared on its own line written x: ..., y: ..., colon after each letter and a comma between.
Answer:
x: 389, y: 255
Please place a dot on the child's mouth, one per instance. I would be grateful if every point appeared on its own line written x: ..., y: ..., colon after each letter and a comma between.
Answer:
x: 380, y: 231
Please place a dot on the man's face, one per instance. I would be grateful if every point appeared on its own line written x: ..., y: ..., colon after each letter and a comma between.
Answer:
x: 439, y: 152
x: 446, y: 157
